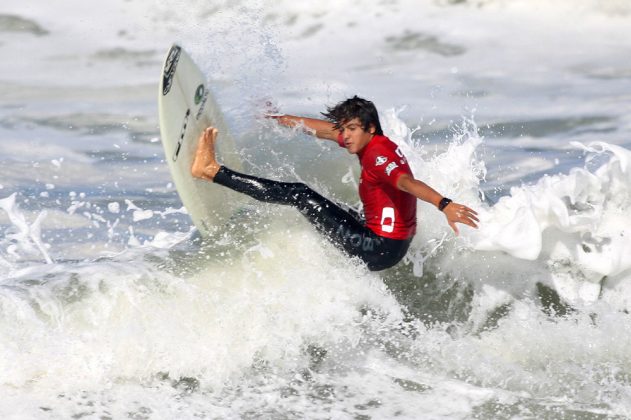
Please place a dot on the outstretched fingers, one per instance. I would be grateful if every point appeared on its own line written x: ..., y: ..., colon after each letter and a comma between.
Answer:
x: 458, y: 213
x: 468, y: 216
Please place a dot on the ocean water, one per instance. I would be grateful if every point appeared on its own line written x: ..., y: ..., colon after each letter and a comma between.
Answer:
x: 113, y: 306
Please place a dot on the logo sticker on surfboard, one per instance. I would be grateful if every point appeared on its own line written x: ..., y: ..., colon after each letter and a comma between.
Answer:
x: 169, y: 69
x: 178, y: 147
x: 201, y: 96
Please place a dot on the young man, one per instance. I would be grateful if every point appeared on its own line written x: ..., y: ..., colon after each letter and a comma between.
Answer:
x: 387, y: 187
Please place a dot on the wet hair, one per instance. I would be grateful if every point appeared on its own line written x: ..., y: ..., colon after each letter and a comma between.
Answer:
x: 354, y: 107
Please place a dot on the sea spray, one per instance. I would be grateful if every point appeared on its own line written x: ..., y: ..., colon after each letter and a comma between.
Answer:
x: 456, y: 172
x: 566, y: 232
x: 22, y: 237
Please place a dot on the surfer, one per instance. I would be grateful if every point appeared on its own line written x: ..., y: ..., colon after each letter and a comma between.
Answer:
x: 388, y: 189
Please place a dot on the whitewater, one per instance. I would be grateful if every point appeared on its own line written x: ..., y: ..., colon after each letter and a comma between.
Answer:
x: 113, y: 306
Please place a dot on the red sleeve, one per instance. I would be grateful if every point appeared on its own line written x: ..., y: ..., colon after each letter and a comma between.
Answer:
x: 385, y: 166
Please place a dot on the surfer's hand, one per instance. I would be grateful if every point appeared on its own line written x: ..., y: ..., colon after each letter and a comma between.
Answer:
x: 280, y: 118
x: 287, y: 121
x: 458, y: 213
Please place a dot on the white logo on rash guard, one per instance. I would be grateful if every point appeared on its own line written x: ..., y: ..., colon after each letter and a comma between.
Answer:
x: 381, y: 160
x: 391, y: 167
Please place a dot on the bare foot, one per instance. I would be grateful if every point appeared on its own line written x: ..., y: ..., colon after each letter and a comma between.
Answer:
x: 205, y: 165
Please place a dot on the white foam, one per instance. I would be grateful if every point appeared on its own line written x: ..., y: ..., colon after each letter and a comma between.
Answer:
x: 23, y: 237
x: 576, y: 224
x: 96, y: 322
x: 107, y: 327
x: 573, y: 227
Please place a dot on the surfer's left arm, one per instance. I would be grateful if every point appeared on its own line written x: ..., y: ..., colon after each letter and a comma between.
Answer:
x: 454, y: 212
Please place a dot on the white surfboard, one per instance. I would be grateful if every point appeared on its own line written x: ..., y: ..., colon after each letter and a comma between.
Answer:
x: 186, y: 108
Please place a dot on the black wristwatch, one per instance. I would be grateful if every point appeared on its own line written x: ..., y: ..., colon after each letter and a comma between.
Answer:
x: 443, y: 203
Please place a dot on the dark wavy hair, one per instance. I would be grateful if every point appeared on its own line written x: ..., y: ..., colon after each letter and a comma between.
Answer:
x: 354, y: 107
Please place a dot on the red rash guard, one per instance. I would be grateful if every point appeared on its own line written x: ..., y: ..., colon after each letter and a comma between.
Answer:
x: 389, y: 212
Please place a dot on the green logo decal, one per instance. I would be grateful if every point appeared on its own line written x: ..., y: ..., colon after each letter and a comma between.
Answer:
x: 199, y: 94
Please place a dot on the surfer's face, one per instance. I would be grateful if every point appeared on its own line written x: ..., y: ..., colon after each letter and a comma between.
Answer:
x: 354, y: 136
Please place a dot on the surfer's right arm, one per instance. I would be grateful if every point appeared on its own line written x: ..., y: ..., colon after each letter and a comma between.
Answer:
x: 319, y: 128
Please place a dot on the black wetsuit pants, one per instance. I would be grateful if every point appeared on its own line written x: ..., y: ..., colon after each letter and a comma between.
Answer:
x: 343, y: 229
